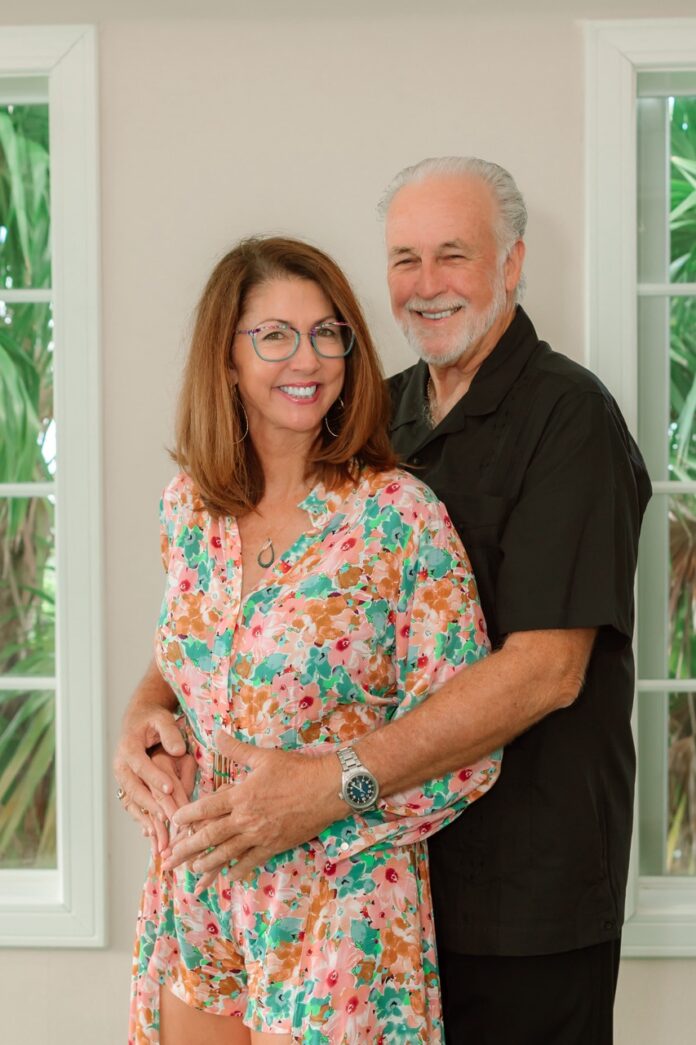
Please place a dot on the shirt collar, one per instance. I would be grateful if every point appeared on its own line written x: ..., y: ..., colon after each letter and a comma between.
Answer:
x: 491, y: 382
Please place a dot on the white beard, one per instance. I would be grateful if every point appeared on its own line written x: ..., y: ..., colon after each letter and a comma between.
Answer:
x: 473, y: 327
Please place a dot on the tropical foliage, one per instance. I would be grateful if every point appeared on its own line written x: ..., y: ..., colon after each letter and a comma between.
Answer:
x: 681, y: 841
x: 27, y: 733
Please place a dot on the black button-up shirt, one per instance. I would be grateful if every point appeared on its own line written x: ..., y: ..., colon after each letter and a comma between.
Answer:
x: 547, y: 490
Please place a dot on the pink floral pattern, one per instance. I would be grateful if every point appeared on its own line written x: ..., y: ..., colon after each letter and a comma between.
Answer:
x: 367, y: 613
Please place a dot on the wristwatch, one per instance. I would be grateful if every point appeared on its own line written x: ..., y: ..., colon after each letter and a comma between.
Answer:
x: 359, y: 788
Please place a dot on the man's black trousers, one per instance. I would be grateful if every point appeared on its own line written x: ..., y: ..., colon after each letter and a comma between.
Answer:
x: 551, y: 999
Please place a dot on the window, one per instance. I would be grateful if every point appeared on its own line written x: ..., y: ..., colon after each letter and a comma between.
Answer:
x: 642, y: 341
x: 51, y: 766
x: 666, y: 181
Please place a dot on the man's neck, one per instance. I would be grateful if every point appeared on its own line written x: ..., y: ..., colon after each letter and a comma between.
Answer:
x: 447, y: 384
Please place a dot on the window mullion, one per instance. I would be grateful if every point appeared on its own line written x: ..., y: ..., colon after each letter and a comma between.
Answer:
x: 28, y: 296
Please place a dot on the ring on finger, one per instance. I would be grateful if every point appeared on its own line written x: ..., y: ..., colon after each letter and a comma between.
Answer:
x: 120, y: 794
x: 144, y: 811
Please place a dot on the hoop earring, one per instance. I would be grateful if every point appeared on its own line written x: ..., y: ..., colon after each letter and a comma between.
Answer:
x: 245, y: 433
x: 329, y: 429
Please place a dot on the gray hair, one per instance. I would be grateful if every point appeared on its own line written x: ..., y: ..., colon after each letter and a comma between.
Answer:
x: 512, y: 222
x: 513, y: 212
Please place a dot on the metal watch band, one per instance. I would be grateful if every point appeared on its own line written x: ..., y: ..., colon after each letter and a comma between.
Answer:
x: 349, y: 760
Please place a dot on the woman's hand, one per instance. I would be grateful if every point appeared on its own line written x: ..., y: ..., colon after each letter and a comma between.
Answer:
x: 285, y: 800
x: 152, y: 785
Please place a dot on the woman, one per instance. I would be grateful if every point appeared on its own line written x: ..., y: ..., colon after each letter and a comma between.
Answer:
x: 314, y: 591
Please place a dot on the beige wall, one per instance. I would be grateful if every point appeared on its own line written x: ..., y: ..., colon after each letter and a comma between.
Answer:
x: 265, y: 120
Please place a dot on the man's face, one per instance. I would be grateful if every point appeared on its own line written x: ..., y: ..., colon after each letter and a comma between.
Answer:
x: 451, y: 291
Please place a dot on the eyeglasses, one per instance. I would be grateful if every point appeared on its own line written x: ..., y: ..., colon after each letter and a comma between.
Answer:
x: 277, y: 341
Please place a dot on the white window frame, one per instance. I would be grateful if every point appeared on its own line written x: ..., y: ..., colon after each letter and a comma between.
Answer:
x: 660, y: 911
x: 65, y: 907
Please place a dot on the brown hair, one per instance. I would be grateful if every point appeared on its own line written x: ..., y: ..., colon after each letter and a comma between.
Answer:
x: 212, y: 444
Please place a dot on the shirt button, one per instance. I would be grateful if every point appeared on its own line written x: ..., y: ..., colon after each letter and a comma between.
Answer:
x: 344, y: 846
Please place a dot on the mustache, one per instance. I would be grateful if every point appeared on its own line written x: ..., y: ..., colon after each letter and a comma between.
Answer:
x: 416, y: 304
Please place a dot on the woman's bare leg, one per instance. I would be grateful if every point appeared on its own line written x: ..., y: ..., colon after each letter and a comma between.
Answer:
x: 181, y: 1024
x: 262, y: 1038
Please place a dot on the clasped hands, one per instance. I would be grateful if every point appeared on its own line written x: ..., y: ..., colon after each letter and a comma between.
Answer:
x: 285, y: 799
x: 275, y: 807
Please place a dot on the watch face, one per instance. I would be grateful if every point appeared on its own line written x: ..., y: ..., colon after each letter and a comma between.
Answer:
x: 361, y: 790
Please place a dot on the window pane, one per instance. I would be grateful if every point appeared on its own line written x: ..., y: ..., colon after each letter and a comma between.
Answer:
x: 27, y: 586
x: 27, y: 430
x: 667, y: 189
x: 667, y: 731
x: 653, y: 190
x: 25, y: 248
x: 667, y: 378
x: 27, y: 780
x: 681, y: 784
x: 682, y: 216
x: 667, y: 589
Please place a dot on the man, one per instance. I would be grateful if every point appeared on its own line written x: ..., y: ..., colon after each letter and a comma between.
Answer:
x: 547, y: 489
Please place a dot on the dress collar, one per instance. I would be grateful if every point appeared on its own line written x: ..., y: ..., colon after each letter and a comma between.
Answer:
x: 321, y: 504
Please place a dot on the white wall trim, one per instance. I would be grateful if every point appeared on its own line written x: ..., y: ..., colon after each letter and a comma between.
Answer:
x: 66, y: 908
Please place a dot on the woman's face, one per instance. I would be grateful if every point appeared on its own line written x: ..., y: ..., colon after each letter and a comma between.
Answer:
x: 294, y: 394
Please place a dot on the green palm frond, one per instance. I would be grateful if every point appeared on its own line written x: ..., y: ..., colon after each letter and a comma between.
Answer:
x: 27, y: 581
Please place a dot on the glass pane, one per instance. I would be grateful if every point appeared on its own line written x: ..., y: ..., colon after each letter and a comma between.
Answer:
x: 25, y: 227
x: 681, y: 784
x: 682, y: 214
x: 653, y: 190
x: 682, y: 586
x: 667, y: 589
x: 27, y: 780
x: 652, y: 781
x: 27, y: 429
x: 667, y: 386
x: 682, y: 389
x: 27, y: 586
x: 667, y: 756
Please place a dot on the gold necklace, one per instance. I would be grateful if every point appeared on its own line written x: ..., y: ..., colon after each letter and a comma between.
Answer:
x: 431, y: 404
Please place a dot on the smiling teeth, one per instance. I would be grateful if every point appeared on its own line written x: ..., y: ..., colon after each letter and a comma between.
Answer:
x: 299, y: 391
x: 440, y: 315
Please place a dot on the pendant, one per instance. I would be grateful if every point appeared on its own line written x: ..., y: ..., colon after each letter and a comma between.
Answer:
x: 266, y: 556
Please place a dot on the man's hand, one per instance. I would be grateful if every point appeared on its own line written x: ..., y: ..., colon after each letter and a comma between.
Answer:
x: 285, y: 800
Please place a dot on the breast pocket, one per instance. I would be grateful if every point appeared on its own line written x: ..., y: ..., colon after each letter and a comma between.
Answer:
x: 479, y: 518
x: 480, y: 521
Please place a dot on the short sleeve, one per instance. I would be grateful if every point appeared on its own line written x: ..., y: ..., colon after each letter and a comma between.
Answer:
x: 570, y: 545
x: 169, y: 515
x: 439, y: 629
x: 165, y: 535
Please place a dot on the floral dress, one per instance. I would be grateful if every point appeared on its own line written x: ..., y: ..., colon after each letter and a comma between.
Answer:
x: 372, y: 608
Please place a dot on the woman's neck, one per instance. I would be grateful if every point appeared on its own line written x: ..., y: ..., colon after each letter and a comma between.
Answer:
x: 284, y: 463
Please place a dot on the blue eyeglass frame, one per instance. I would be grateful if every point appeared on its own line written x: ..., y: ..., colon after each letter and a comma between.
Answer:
x: 298, y: 335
